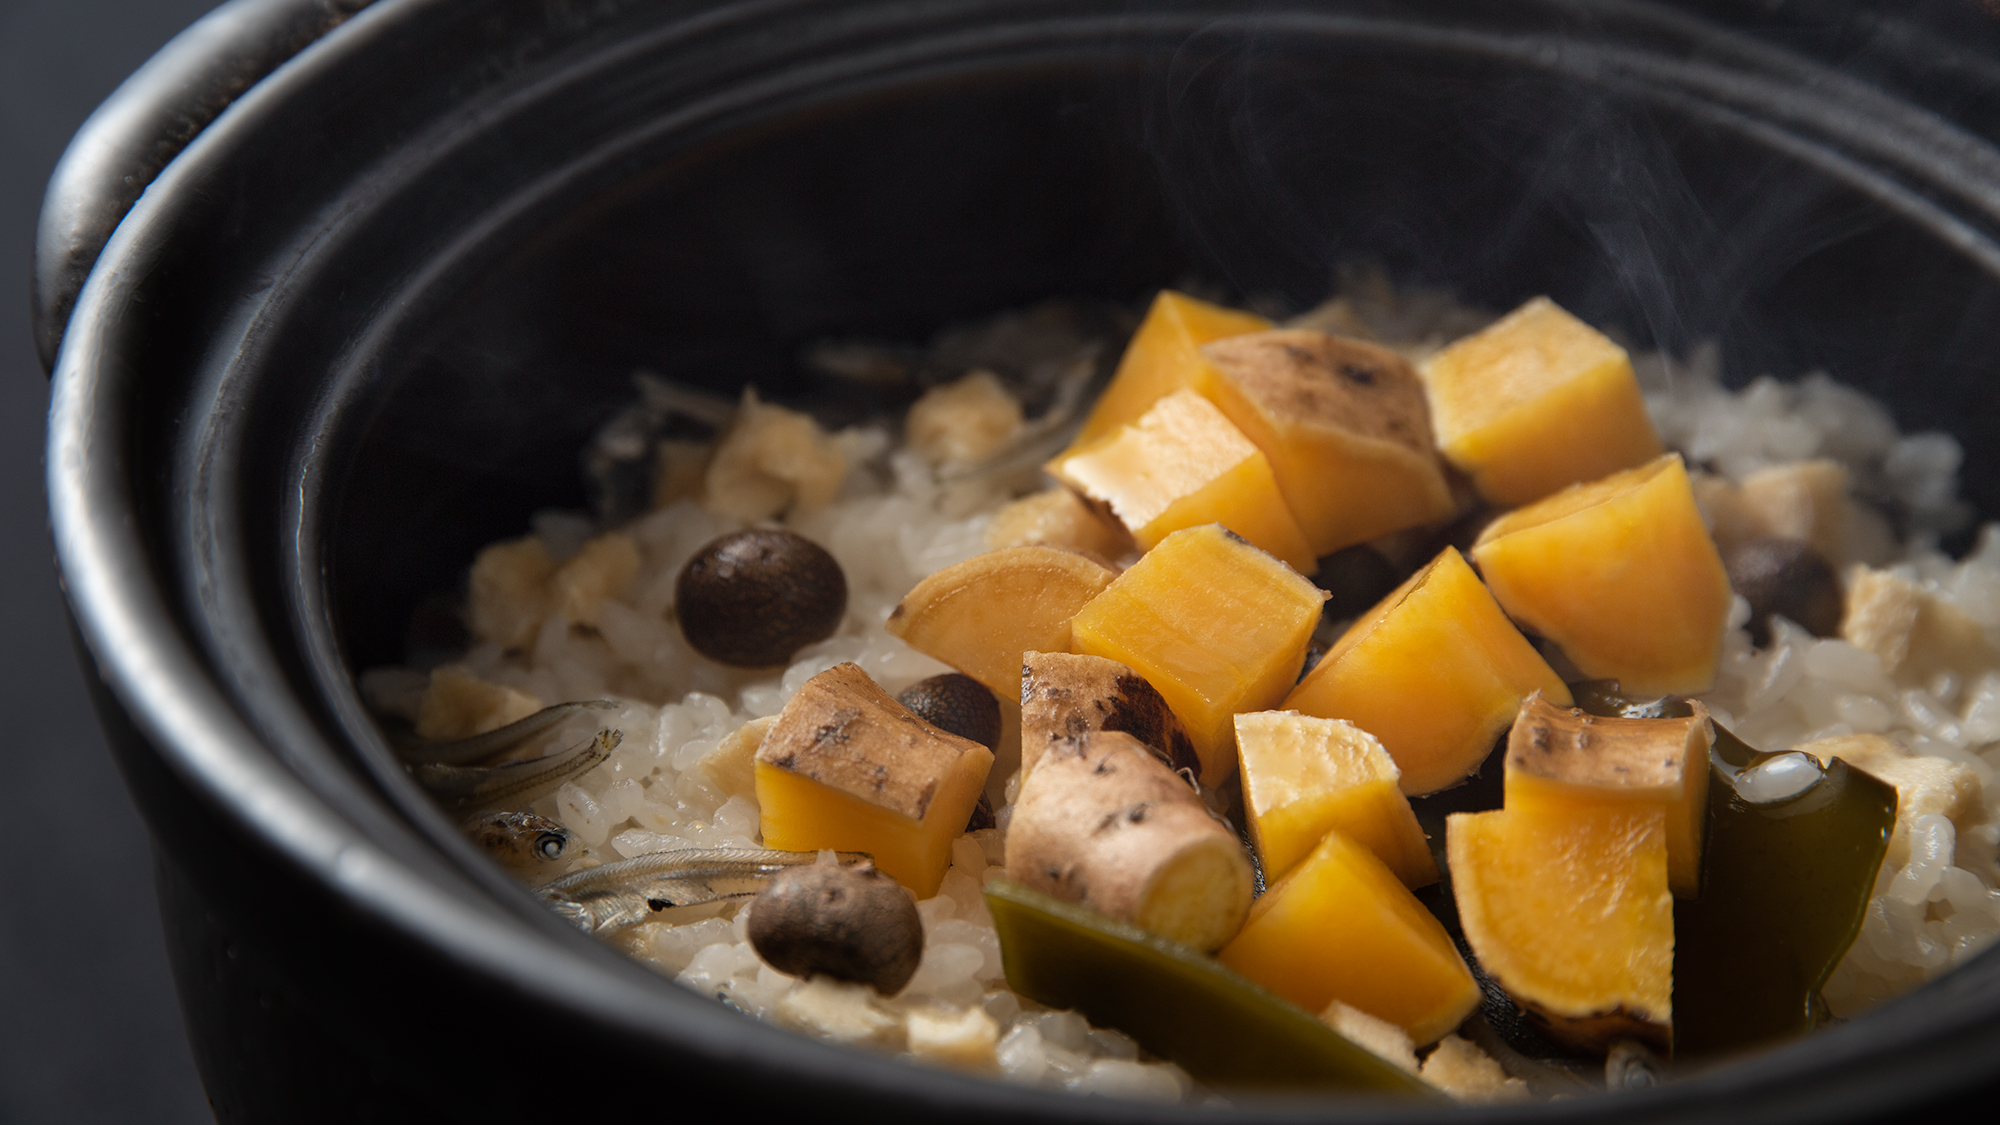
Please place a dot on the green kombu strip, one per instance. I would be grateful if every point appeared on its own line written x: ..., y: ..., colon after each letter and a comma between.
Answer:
x: 1178, y: 1003
x: 1784, y: 889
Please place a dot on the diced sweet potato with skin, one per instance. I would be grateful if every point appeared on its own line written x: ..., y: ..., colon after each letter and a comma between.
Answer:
x: 1536, y: 402
x: 1562, y: 754
x: 1342, y: 927
x: 1066, y: 695
x: 1434, y: 670
x: 1216, y: 625
x: 1104, y: 824
x: 1163, y: 357
x: 1346, y: 427
x: 1622, y: 574
x: 980, y: 615
x: 1305, y: 776
x: 1183, y: 464
x: 1567, y: 908
x: 1056, y: 518
x: 846, y: 767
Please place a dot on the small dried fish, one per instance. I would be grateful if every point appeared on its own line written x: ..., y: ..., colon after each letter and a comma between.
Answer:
x: 615, y: 895
x: 521, y: 841
x: 480, y: 747
x: 485, y: 787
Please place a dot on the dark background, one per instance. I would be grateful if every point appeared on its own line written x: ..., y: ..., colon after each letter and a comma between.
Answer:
x: 89, y: 1028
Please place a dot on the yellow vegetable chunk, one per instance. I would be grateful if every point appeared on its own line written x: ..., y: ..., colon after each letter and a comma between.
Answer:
x: 1622, y: 574
x: 1435, y: 671
x: 1163, y: 357
x: 1536, y: 402
x: 846, y: 767
x: 1342, y: 927
x: 980, y: 615
x: 1346, y: 428
x: 1183, y: 464
x: 1567, y: 908
x: 1304, y: 777
x: 1214, y: 624
x: 1560, y: 754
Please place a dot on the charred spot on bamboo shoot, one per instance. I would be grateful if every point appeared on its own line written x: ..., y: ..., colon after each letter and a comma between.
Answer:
x: 957, y: 704
x: 849, y: 923
x: 753, y: 598
x: 1788, y: 578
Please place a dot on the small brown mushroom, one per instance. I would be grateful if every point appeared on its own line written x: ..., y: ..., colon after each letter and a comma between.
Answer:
x: 956, y: 704
x: 849, y: 923
x: 753, y: 598
x: 1786, y: 577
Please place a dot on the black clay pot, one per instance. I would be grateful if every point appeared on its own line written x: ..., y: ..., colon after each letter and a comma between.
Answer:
x: 363, y: 320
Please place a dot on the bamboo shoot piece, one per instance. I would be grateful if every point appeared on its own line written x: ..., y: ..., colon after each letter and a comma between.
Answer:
x: 1561, y: 754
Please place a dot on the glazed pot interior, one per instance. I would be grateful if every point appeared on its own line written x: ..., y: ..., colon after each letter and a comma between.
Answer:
x: 452, y: 288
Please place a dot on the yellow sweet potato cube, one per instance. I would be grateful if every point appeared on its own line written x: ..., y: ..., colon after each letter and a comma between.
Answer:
x: 1183, y: 464
x: 1567, y: 909
x: 1163, y: 357
x: 1342, y: 927
x: 848, y: 768
x: 1345, y: 425
x: 1535, y: 402
x: 1213, y: 623
x: 1435, y: 670
x: 1560, y: 754
x: 1304, y: 777
x: 1621, y: 573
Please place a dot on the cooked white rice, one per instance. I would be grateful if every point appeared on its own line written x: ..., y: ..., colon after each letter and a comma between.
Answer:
x: 895, y: 521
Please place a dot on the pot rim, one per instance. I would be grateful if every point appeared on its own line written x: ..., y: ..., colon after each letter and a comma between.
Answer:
x: 165, y: 683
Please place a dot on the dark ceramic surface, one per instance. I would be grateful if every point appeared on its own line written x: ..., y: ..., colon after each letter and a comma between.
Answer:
x: 362, y: 323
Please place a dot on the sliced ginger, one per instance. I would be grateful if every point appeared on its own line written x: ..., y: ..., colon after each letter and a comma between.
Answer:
x: 1345, y: 425
x: 1216, y: 625
x: 1103, y: 823
x: 846, y: 767
x: 980, y: 615
x: 1163, y: 357
x: 1183, y: 464
x: 1535, y: 402
x: 1342, y: 927
x: 1304, y: 776
x: 1622, y: 574
x: 1054, y: 517
x: 1560, y: 754
x: 1435, y: 671
x: 1567, y: 908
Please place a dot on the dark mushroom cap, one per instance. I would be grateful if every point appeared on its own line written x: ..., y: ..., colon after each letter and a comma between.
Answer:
x: 1788, y: 578
x: 957, y: 704
x: 849, y: 923
x: 753, y: 598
